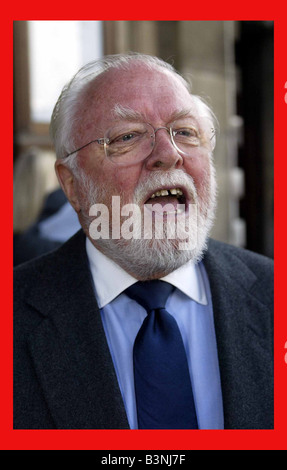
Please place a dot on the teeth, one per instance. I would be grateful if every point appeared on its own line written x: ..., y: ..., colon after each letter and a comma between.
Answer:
x: 165, y: 192
x: 173, y: 191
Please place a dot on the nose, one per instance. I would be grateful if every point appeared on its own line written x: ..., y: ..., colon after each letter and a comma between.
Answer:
x: 164, y: 154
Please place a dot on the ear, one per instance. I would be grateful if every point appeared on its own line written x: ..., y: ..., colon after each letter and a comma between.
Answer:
x: 68, y: 183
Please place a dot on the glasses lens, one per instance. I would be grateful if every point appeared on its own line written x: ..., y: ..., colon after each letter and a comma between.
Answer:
x: 129, y: 142
x: 187, y: 134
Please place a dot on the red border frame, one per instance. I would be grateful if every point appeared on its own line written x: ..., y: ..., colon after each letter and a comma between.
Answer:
x: 141, y: 440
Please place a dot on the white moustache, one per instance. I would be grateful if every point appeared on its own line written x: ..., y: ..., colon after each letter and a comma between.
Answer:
x: 173, y: 179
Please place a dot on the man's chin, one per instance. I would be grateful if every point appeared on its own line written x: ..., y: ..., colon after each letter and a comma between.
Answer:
x: 149, y: 259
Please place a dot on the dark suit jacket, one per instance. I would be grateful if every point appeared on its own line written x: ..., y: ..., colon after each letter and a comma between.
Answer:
x: 63, y: 372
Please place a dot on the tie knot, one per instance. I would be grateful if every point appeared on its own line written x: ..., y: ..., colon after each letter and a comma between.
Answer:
x: 150, y: 294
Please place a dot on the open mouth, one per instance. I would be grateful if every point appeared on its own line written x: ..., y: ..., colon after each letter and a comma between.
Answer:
x: 171, y: 199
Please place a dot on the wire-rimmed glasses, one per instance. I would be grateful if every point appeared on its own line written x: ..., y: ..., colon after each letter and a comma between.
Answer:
x: 130, y: 142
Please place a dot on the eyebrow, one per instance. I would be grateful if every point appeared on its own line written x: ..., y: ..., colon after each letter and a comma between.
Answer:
x: 122, y: 112
x: 187, y: 112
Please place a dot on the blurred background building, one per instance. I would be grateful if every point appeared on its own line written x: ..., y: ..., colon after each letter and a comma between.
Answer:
x: 230, y: 64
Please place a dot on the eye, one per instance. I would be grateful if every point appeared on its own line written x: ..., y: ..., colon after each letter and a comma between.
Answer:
x: 127, y: 137
x: 188, y: 132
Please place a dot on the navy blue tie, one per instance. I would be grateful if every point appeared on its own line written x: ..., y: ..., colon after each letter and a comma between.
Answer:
x: 162, y: 382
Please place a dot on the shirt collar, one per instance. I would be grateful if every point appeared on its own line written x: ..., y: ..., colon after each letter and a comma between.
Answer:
x: 110, y: 279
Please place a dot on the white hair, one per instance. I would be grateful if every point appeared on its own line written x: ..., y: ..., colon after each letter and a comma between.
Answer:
x: 65, y: 111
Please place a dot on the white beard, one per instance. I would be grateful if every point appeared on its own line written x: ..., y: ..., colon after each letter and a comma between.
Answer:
x: 152, y: 258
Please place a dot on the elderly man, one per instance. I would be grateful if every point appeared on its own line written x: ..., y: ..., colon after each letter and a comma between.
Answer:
x: 140, y: 320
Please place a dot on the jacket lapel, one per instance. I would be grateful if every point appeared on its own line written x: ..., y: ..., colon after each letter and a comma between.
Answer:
x: 69, y: 349
x: 245, y: 357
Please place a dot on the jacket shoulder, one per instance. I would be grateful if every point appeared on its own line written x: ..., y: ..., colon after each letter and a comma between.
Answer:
x: 224, y: 251
x: 48, y: 262
x: 49, y: 276
x: 245, y: 266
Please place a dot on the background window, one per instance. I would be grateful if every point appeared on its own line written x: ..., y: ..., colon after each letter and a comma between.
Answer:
x: 57, y: 49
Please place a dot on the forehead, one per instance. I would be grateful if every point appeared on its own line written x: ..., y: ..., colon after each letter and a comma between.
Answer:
x: 154, y: 94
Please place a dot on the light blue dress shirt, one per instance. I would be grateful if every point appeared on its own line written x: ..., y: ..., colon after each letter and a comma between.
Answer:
x: 190, y: 304
x: 61, y: 225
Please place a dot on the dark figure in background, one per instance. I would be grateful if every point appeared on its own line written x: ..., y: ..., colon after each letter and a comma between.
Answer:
x: 56, y: 223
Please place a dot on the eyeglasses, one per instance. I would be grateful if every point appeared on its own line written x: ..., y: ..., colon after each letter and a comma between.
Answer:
x: 132, y: 142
